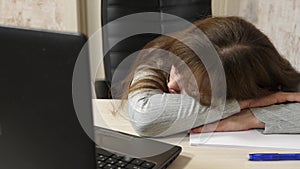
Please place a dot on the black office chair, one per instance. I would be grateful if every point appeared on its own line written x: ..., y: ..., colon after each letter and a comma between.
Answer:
x: 190, y: 10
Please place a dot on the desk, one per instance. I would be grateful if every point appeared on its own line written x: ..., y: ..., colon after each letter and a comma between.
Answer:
x: 200, y: 157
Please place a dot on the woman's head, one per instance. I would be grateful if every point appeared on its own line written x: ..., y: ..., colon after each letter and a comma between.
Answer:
x: 252, y: 65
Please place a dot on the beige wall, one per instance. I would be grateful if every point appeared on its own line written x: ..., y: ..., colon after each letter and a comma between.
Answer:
x: 278, y: 19
x: 281, y: 22
x: 43, y: 14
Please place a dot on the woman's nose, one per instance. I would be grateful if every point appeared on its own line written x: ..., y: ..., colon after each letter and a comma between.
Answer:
x: 173, y: 87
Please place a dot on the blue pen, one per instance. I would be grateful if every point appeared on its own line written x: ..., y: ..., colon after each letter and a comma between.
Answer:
x: 273, y: 157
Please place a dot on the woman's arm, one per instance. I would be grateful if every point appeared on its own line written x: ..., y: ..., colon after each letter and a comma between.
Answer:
x: 283, y: 118
x: 245, y: 120
x: 275, y: 98
x: 155, y: 113
x: 164, y: 114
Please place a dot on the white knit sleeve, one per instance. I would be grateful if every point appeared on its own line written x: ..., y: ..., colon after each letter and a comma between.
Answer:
x: 282, y: 118
x: 155, y: 113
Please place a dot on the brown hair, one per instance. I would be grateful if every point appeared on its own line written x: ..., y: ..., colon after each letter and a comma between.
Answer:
x: 252, y: 65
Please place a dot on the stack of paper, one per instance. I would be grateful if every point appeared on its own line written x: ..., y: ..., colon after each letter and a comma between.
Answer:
x: 251, y: 138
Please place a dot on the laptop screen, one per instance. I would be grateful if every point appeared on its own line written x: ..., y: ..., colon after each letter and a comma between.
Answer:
x: 39, y: 128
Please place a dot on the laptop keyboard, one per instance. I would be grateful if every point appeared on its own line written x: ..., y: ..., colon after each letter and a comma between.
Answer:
x: 109, y: 160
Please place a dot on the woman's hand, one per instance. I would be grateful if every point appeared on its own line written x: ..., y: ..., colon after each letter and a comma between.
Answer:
x: 244, y: 120
x: 278, y: 97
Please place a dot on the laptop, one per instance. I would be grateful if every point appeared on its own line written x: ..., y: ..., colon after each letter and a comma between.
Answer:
x: 39, y: 128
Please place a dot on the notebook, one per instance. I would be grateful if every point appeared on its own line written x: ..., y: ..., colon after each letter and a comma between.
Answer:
x: 39, y: 127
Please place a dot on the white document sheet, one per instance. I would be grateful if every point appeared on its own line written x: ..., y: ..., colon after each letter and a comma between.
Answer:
x: 251, y: 138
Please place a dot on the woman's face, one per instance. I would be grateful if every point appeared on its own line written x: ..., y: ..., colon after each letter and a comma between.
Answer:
x: 182, y: 83
x: 173, y: 86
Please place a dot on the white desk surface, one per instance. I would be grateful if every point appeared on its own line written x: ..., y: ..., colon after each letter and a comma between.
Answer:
x: 192, y: 157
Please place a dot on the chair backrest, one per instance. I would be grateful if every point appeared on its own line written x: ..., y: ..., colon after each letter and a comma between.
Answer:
x: 190, y: 10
